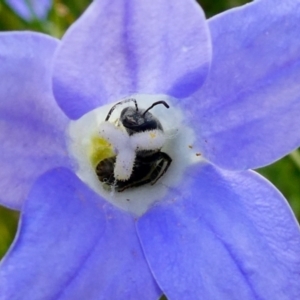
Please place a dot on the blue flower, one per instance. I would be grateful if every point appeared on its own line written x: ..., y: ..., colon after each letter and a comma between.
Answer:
x: 30, y: 9
x: 222, y: 231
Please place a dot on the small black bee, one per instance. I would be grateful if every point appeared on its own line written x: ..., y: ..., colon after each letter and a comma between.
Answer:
x: 149, y: 165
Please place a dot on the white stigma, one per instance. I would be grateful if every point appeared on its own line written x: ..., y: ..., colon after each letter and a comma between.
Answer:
x: 126, y: 146
x: 148, y: 140
x: 124, y: 164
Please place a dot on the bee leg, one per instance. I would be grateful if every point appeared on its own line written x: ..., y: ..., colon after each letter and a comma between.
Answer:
x: 134, y: 184
x: 163, y: 162
x: 147, y: 170
x: 162, y: 167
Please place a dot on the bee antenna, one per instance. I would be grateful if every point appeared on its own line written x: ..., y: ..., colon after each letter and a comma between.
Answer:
x: 119, y: 103
x: 154, y: 104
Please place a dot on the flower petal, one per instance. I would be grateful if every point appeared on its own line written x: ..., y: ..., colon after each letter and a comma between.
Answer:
x: 73, y: 245
x: 31, y: 125
x: 30, y: 9
x: 124, y: 47
x: 248, y: 110
x: 227, y: 236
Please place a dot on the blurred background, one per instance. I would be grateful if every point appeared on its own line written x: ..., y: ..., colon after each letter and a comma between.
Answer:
x: 54, y: 17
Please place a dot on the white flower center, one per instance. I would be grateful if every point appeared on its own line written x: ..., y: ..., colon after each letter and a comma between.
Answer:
x: 94, y: 140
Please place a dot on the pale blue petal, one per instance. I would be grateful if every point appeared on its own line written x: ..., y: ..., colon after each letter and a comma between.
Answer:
x: 32, y: 127
x: 247, y: 113
x: 71, y: 244
x: 118, y: 48
x: 30, y: 9
x: 223, y: 235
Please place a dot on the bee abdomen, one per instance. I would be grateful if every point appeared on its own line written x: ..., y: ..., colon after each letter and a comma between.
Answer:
x: 105, y: 170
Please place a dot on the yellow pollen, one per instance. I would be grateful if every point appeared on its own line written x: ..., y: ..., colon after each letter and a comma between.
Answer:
x: 152, y: 135
x: 99, y: 150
